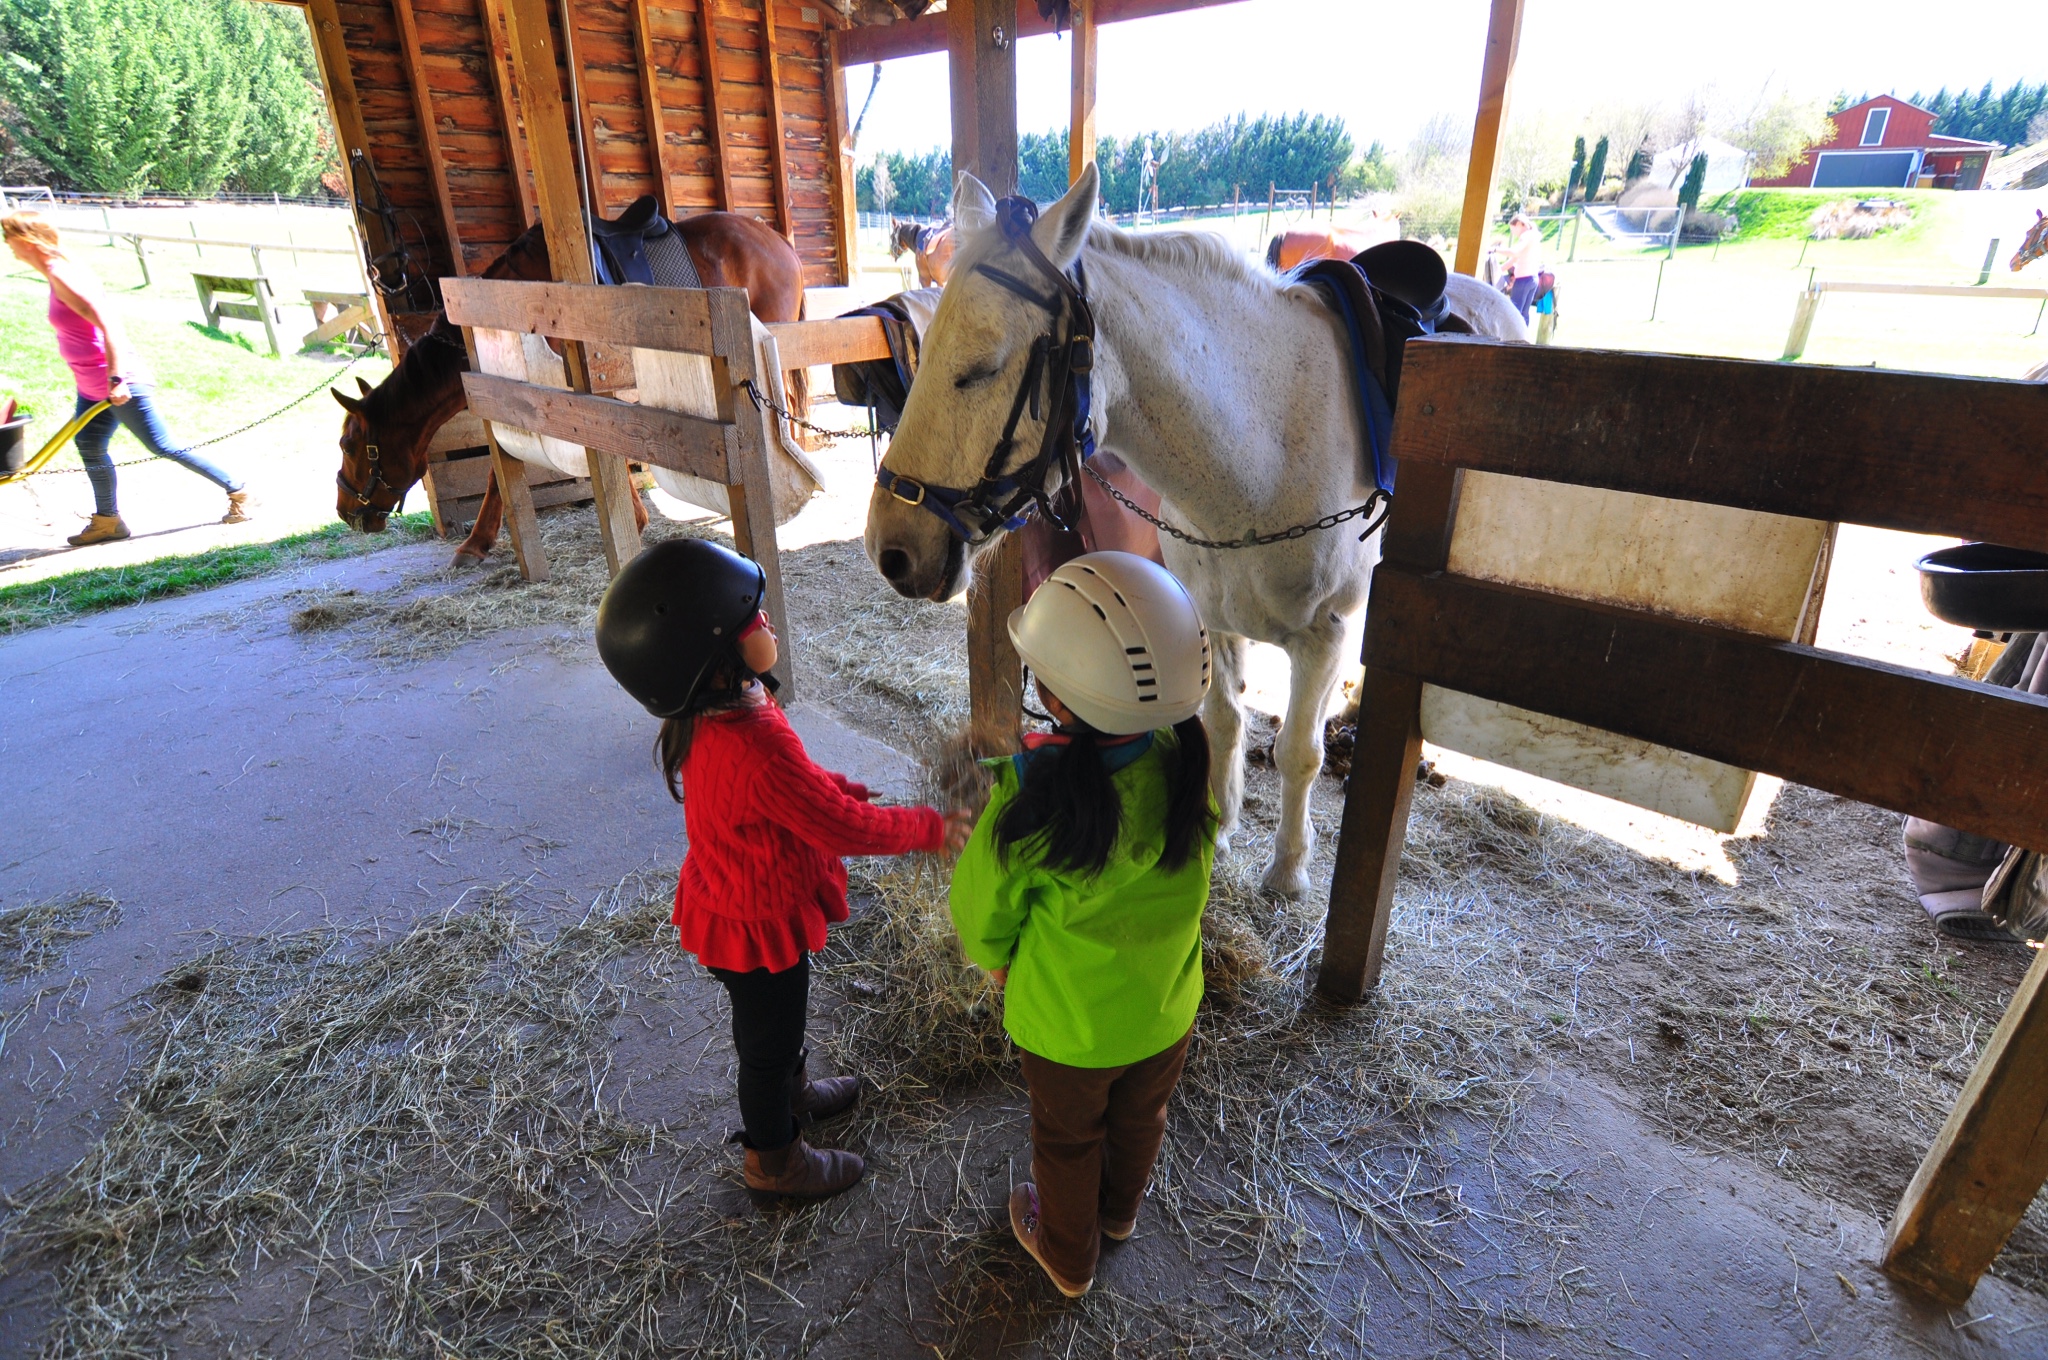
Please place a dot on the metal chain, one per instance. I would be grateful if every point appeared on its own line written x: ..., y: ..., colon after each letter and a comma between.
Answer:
x: 294, y: 403
x: 764, y: 402
x: 1379, y: 500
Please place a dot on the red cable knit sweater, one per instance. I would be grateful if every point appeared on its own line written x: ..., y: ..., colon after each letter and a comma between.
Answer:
x: 762, y: 876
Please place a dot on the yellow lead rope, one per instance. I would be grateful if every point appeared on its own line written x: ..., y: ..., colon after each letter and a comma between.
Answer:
x: 62, y: 437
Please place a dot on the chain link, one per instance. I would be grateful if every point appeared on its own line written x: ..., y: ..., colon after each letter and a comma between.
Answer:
x: 763, y: 402
x: 1379, y: 500
x: 293, y: 404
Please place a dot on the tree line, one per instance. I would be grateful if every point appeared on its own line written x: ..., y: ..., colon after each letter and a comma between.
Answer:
x: 1191, y: 169
x: 185, y: 96
x: 2013, y: 117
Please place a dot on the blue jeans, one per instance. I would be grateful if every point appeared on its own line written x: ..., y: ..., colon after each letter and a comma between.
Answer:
x: 138, y: 415
x: 1524, y: 289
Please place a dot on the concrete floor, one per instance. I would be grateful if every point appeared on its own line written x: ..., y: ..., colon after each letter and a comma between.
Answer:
x: 218, y: 774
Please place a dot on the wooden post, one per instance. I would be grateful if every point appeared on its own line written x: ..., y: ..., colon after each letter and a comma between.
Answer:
x: 1987, y: 1163
x: 778, y: 137
x: 982, y: 39
x: 561, y: 215
x: 714, y: 100
x: 845, y: 195
x: 1503, y: 37
x: 507, y: 88
x: 1389, y: 744
x: 1081, y: 124
x: 748, y: 491
x: 521, y: 523
x: 585, y: 112
x: 330, y: 49
x: 659, y: 151
x: 1802, y: 324
x: 430, y: 131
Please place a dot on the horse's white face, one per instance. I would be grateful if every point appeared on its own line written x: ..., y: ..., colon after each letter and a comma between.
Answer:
x: 972, y: 365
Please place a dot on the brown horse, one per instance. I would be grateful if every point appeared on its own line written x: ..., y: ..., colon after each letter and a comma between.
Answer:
x: 1301, y: 244
x: 385, y: 436
x: 934, y: 257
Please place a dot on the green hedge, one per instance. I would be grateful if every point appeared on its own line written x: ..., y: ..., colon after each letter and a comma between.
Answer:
x: 1768, y: 214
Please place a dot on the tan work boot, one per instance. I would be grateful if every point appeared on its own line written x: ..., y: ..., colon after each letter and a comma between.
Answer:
x: 238, y: 508
x: 1024, y: 1225
x: 101, y: 529
x: 811, y: 1101
x: 799, y: 1171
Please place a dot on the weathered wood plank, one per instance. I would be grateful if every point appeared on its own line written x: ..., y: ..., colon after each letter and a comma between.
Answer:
x: 656, y: 123
x: 1877, y: 733
x: 845, y: 253
x: 417, y: 79
x: 920, y: 36
x: 778, y: 148
x: 1497, y: 71
x: 837, y: 340
x: 670, y: 439
x: 649, y: 318
x: 1988, y: 1161
x: 1911, y: 451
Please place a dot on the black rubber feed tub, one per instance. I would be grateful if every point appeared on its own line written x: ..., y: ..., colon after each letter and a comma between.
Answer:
x: 1987, y: 587
x: 13, y: 445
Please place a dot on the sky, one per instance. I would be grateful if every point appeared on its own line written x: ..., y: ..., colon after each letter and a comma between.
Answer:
x: 1387, y: 68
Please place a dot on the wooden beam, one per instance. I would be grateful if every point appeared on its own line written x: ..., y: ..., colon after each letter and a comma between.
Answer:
x: 1081, y: 117
x: 688, y: 444
x: 921, y: 36
x: 561, y: 215
x: 778, y: 135
x: 649, y: 318
x: 845, y: 194
x: 1877, y: 733
x: 984, y: 89
x: 1987, y: 1163
x: 330, y: 52
x: 665, y: 164
x: 1910, y: 451
x: 586, y: 114
x: 714, y: 100
x: 835, y: 340
x: 749, y: 493
x: 506, y: 87
x: 430, y: 131
x: 1503, y: 38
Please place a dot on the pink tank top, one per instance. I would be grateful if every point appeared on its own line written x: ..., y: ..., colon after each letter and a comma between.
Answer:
x: 82, y: 346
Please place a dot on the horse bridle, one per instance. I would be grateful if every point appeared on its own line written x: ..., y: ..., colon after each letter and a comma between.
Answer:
x: 1002, y: 500
x: 369, y: 489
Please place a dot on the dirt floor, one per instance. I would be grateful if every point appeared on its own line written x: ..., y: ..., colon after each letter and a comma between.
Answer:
x: 341, y: 1017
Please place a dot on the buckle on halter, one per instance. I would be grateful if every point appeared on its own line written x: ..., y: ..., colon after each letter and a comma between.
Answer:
x: 1081, y: 354
x: 896, y: 489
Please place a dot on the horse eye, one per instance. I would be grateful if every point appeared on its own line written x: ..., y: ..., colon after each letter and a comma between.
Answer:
x: 974, y: 377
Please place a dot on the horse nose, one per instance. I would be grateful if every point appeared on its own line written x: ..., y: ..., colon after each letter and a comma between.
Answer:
x: 895, y: 565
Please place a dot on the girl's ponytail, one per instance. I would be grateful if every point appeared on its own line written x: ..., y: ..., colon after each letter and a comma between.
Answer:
x: 1189, y: 818
x: 1070, y: 798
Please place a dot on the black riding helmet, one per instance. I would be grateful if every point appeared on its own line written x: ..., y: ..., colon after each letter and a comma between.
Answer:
x: 671, y: 617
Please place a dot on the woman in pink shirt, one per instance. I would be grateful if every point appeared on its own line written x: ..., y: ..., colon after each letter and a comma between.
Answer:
x: 1525, y: 262
x: 105, y: 368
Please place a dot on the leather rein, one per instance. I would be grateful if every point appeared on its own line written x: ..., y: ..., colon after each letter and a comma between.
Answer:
x: 1003, y: 500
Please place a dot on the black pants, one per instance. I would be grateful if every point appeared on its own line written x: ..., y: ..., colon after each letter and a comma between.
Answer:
x: 768, y: 1013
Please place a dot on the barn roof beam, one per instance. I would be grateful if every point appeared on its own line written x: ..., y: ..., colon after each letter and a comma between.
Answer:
x: 928, y: 34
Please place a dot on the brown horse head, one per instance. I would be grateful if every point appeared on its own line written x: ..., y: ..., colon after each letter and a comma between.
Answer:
x: 385, y: 434
x: 902, y: 237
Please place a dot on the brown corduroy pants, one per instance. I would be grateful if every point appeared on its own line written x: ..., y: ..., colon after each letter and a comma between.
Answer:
x: 1095, y: 1132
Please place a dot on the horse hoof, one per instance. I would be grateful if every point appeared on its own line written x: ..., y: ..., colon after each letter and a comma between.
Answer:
x: 1291, y: 884
x: 463, y: 560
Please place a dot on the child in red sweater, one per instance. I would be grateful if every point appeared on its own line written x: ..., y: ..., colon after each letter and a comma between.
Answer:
x: 681, y: 629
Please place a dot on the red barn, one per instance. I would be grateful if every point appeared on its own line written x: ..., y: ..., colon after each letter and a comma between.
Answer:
x: 1886, y: 143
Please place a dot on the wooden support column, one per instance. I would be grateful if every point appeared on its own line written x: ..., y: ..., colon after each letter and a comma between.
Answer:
x: 1503, y: 37
x: 1081, y: 123
x: 586, y: 117
x: 983, y: 40
x: 561, y: 215
x: 778, y: 137
x: 507, y: 90
x: 748, y: 492
x: 845, y: 196
x: 660, y: 153
x: 1988, y: 1161
x: 330, y: 50
x: 1389, y: 745
x: 430, y: 130
x: 714, y: 100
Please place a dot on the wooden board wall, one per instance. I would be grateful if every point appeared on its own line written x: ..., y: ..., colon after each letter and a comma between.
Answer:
x: 716, y: 147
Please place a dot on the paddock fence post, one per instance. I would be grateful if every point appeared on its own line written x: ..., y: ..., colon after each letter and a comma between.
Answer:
x: 1802, y: 323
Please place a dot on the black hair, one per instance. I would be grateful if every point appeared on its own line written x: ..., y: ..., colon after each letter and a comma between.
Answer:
x: 723, y: 688
x: 1069, y: 799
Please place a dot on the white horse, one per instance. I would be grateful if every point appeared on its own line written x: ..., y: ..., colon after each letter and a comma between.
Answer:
x: 1230, y: 391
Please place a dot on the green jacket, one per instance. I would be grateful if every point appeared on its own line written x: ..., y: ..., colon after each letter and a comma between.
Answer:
x: 1104, y: 971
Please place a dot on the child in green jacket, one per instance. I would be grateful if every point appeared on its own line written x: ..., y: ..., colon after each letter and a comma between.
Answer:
x: 1082, y: 890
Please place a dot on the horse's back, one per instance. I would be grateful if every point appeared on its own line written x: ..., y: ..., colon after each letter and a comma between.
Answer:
x: 732, y: 250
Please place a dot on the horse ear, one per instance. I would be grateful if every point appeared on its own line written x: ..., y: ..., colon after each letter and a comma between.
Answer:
x: 364, y: 384
x: 974, y: 208
x: 1062, y: 228
x: 352, y: 405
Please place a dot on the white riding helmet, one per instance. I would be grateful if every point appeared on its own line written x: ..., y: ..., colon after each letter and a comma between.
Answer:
x: 1116, y: 637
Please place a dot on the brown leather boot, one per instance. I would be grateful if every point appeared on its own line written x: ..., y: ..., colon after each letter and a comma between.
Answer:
x: 811, y: 1101
x: 799, y: 1171
x: 101, y: 529
x: 238, y: 508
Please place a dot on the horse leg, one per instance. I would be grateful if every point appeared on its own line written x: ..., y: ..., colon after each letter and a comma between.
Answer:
x: 1314, y: 657
x: 639, y: 503
x: 483, y: 535
x: 1223, y: 713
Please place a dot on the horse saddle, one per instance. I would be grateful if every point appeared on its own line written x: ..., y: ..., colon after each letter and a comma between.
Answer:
x: 883, y: 385
x: 1385, y: 296
x: 642, y: 246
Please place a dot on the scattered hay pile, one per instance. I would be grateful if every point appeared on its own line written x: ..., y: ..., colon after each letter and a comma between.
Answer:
x: 35, y: 937
x: 1858, y: 219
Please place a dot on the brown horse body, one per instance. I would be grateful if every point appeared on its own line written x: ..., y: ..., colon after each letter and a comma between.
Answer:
x: 935, y: 263
x: 1302, y: 244
x: 388, y: 428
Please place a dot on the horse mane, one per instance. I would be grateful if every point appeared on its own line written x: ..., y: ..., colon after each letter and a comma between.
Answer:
x: 1204, y: 253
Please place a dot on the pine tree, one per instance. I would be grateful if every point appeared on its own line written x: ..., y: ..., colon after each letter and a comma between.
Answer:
x: 1578, y: 174
x: 1695, y: 180
x: 1596, y: 170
